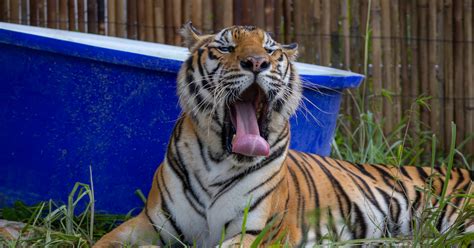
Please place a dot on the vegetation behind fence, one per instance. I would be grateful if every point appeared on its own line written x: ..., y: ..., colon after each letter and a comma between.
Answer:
x: 422, y: 47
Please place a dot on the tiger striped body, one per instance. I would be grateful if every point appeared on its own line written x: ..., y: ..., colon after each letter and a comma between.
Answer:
x: 203, y: 186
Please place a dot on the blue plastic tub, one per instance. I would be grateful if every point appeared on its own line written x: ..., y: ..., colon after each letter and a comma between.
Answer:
x: 70, y: 100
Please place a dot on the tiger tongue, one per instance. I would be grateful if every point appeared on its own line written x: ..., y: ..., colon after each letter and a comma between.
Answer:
x: 247, y: 140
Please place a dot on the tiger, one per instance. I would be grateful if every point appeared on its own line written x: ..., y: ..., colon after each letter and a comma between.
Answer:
x: 228, y: 162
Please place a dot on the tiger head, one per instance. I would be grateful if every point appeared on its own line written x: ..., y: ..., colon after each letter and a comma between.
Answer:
x: 239, y: 86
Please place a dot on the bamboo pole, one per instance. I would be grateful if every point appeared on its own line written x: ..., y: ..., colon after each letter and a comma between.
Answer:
x: 288, y: 22
x: 4, y: 10
x: 149, y: 20
x: 376, y: 59
x: 141, y: 19
x: 448, y: 69
x: 159, y: 21
x: 176, y: 22
x: 33, y: 13
x: 218, y: 14
x: 334, y: 31
x: 52, y: 14
x: 63, y: 14
x: 423, y: 60
x: 92, y: 16
x: 207, y: 22
x: 468, y: 74
x: 258, y: 13
x: 269, y: 16
x: 121, y: 18
x: 112, y: 18
x: 325, y: 33
x: 187, y: 11
x: 196, y: 14
x: 459, y: 53
x: 387, y: 69
x: 345, y: 10
x: 432, y: 72
x: 277, y: 20
x: 316, y: 24
x: 15, y: 15
x: 72, y: 20
x: 396, y: 42
x: 405, y: 82
x: 24, y: 11
x: 132, y: 19
x: 298, y: 28
x: 81, y: 16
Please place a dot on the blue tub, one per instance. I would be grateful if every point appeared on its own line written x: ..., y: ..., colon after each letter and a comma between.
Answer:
x: 70, y: 100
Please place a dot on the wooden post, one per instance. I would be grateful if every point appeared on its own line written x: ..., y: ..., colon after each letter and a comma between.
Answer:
x: 160, y: 21
x: 468, y: 74
x: 298, y: 28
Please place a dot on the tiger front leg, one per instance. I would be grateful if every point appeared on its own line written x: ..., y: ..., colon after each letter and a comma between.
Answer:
x: 240, y: 240
x: 136, y: 231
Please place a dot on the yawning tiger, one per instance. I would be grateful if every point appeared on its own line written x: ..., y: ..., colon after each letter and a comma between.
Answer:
x: 229, y: 152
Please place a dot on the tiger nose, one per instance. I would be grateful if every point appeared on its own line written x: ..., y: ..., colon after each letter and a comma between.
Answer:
x: 255, y: 64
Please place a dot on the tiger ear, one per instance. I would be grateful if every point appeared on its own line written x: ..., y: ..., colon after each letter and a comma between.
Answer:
x: 190, y: 35
x: 291, y: 50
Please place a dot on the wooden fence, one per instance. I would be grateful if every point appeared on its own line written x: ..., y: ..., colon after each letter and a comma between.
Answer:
x: 422, y: 47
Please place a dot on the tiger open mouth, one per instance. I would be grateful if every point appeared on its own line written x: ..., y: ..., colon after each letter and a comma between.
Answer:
x: 249, y: 116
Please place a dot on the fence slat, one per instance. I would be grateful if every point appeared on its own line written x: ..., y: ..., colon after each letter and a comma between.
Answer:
x: 325, y: 31
x: 196, y: 14
x: 448, y: 69
x: 159, y: 21
x: 121, y: 17
x: 15, y: 11
x: 150, y: 19
x: 376, y: 58
x: 468, y: 74
x: 63, y: 14
x: 458, y: 69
